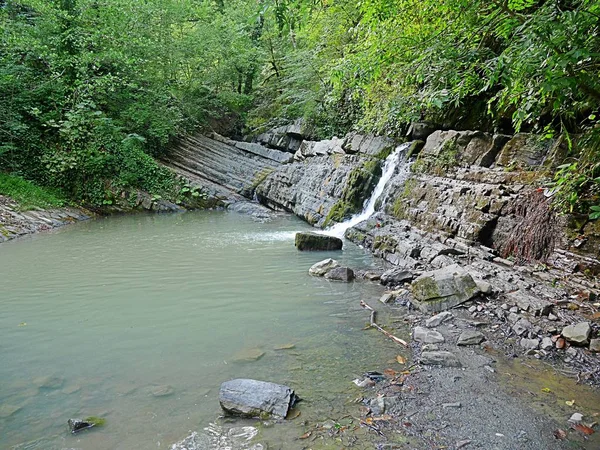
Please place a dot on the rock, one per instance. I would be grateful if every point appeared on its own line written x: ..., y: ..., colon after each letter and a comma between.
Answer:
x: 547, y: 343
x: 522, y: 326
x: 560, y: 343
x: 307, y: 241
x: 576, y: 418
x: 484, y: 287
x: 49, y: 382
x: 426, y: 336
x: 451, y: 405
x: 340, y: 274
x: 395, y: 277
x: 529, y: 344
x: 430, y: 348
x: 387, y: 298
x: 253, y: 398
x: 525, y: 149
x: 552, y: 317
x: 421, y: 130
x: 578, y: 333
x: 443, y: 289
x: 438, y: 319
x: 595, y: 345
x: 372, y: 276
x: 526, y: 302
x: 470, y: 337
x: 440, y: 358
x: 285, y: 347
x: 248, y: 355
x: 7, y: 410
x: 162, y: 391
x: 77, y: 425
x: 322, y: 267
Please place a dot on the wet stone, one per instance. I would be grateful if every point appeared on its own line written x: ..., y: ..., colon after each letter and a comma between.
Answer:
x: 340, y: 274
x: 322, y: 267
x: 308, y: 241
x: 253, y: 398
x: 162, y: 391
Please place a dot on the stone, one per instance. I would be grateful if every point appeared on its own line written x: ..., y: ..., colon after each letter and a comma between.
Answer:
x: 576, y: 418
x: 552, y: 317
x: 372, y: 276
x: 322, y: 267
x: 248, y: 355
x: 470, y: 337
x: 578, y: 333
x: 443, y: 289
x: 535, y: 305
x: 340, y: 274
x: 438, y: 319
x: 527, y: 150
x: 440, y: 358
x: 452, y: 405
x: 595, y: 345
x: 529, y: 344
x: 522, y: 326
x: 308, y: 241
x: 253, y: 398
x: 387, y: 298
x: 547, y: 343
x: 49, y: 382
x: 484, y: 287
x: 77, y: 425
x: 421, y: 130
x: 426, y: 336
x: 430, y: 348
x: 395, y: 277
x: 162, y: 391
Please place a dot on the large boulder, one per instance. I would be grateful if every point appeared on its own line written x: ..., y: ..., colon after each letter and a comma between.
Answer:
x: 443, y: 289
x: 307, y: 241
x: 253, y: 398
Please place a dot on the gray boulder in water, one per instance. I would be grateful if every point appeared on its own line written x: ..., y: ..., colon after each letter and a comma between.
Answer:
x: 253, y: 398
x: 307, y: 241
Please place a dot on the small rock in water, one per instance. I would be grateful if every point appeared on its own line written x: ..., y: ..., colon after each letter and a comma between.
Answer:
x: 285, y: 347
x: 162, y: 391
x: 340, y: 274
x: 76, y: 425
x: 426, y: 336
x: 49, y: 382
x: 248, y: 355
x: 253, y: 398
x: 372, y: 276
x: 322, y: 267
x: 470, y: 337
x: 8, y: 410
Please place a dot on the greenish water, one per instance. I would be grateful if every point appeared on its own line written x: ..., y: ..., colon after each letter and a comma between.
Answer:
x: 96, y: 317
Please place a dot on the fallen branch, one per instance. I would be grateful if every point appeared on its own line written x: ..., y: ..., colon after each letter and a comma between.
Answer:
x: 377, y: 327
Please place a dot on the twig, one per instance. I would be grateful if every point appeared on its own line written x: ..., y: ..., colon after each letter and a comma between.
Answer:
x: 377, y: 327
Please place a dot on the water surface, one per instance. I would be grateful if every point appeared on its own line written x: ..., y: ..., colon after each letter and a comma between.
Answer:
x: 99, y: 317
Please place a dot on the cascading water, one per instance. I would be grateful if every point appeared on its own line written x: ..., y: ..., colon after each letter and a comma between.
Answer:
x: 389, y: 167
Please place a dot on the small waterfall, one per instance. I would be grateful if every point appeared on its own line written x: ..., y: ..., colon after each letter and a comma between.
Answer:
x: 389, y: 166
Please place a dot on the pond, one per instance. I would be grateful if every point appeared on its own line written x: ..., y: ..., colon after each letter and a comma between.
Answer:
x: 139, y: 319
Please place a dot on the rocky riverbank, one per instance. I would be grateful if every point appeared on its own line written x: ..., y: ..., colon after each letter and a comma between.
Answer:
x: 15, y: 223
x: 466, y: 226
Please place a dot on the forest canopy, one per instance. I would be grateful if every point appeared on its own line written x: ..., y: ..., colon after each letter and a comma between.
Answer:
x: 91, y: 91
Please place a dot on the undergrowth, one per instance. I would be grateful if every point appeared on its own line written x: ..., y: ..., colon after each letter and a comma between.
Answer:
x: 27, y: 194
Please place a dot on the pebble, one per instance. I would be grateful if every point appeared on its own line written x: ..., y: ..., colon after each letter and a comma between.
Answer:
x: 451, y: 405
x: 472, y: 309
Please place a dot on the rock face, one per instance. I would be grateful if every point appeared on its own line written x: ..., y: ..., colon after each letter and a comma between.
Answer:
x: 322, y: 267
x: 340, y: 274
x: 578, y: 334
x: 444, y: 288
x: 307, y: 241
x: 252, y: 398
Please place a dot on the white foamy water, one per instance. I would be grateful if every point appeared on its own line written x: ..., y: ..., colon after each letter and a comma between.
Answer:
x: 389, y: 167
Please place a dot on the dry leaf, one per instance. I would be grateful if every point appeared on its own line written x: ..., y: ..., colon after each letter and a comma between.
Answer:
x: 401, y: 359
x: 390, y: 373
x: 570, y: 402
x: 306, y: 435
x: 585, y: 430
x: 560, y: 434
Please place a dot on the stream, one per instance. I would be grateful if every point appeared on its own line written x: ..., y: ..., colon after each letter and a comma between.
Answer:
x: 139, y: 319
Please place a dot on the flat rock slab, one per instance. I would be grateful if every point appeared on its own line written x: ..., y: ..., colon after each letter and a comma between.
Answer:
x: 536, y: 306
x: 322, y: 267
x: 396, y: 277
x: 438, y: 319
x: 253, y: 398
x: 308, y: 241
x: 426, y: 336
x: 440, y: 358
x: 443, y: 289
x: 470, y: 337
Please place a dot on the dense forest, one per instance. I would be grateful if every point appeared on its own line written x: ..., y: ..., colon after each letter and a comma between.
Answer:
x: 91, y: 91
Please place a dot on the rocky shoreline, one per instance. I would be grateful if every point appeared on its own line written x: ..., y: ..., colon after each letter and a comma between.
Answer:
x: 15, y: 223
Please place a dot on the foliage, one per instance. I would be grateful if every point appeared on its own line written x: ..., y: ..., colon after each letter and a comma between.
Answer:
x: 27, y: 194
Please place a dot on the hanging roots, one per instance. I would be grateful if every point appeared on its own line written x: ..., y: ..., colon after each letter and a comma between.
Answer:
x: 535, y: 237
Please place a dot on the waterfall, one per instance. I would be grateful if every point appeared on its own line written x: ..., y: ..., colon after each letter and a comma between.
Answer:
x: 389, y: 166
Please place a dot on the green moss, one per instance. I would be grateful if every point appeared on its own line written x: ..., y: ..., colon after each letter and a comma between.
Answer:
x: 447, y: 158
x: 260, y: 177
x: 96, y: 421
x: 398, y: 208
